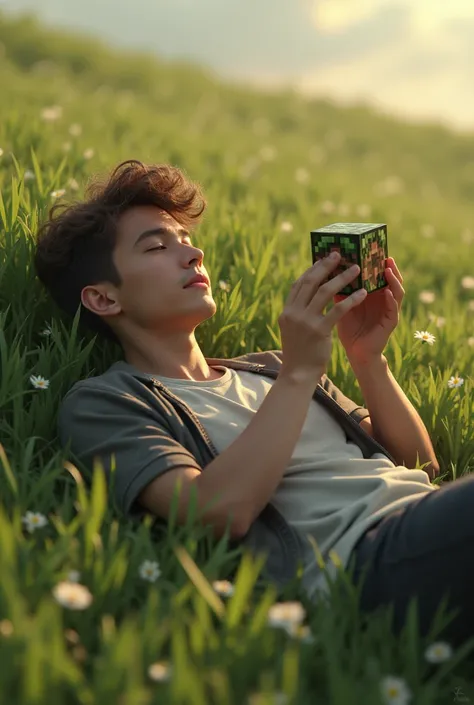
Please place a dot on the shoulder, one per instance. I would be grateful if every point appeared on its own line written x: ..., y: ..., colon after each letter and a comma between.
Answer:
x: 114, y: 380
x: 105, y: 399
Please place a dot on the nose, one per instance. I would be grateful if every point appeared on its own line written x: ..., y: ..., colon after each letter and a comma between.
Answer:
x: 195, y: 253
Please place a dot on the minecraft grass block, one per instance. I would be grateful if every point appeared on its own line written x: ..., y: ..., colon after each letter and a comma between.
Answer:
x: 364, y: 244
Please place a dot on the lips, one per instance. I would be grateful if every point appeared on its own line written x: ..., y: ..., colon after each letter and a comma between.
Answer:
x: 197, y: 278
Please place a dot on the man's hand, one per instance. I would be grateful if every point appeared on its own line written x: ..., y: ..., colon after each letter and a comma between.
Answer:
x: 365, y: 329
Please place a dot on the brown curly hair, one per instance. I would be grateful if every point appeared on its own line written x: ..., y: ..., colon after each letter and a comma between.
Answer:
x: 74, y: 247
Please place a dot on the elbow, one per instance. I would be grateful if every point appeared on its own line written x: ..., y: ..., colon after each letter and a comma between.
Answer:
x: 235, y: 522
x: 239, y: 531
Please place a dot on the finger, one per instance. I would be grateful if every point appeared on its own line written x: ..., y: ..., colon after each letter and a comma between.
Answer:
x: 395, y: 286
x: 394, y: 306
x: 342, y: 307
x: 392, y: 302
x: 325, y: 293
x: 315, y: 274
x: 316, y: 278
x: 393, y: 266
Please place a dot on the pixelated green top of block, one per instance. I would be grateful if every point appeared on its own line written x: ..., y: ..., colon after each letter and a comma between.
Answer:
x: 349, y: 228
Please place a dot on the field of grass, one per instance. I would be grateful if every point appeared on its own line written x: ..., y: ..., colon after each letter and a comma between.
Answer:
x: 273, y: 167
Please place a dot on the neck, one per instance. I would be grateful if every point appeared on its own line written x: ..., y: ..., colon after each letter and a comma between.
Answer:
x: 177, y: 357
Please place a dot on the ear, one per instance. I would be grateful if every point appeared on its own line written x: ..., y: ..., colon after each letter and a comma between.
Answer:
x: 101, y: 299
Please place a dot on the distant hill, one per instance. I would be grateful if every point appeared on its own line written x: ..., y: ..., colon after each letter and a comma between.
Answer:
x: 349, y: 150
x: 413, y: 59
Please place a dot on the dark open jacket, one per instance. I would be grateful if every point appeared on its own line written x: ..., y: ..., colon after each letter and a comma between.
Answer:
x: 107, y: 414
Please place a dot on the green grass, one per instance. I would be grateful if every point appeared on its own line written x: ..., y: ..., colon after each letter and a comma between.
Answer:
x: 245, y: 148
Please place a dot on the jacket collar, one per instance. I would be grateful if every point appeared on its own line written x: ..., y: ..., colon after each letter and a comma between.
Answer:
x: 271, y: 367
x: 234, y: 363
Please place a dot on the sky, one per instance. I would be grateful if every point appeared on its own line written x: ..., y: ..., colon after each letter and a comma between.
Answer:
x: 411, y: 58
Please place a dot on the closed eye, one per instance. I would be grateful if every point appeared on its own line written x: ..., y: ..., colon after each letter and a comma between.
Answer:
x: 159, y: 246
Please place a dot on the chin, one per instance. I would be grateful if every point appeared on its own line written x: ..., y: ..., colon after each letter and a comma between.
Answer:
x: 211, y: 311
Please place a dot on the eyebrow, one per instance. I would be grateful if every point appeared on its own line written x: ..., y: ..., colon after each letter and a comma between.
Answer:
x: 160, y: 231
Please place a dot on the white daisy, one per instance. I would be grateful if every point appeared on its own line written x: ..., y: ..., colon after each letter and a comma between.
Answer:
x: 46, y: 331
x: 427, y: 297
x: 6, y: 627
x: 283, y: 614
x: 89, y: 153
x: 29, y: 175
x: 395, y: 691
x: 52, y: 113
x: 302, y: 175
x: 160, y: 671
x: 150, y: 570
x: 470, y: 341
x: 225, y: 286
x: 425, y: 337
x: 286, y: 227
x: 390, y: 186
x: 33, y: 521
x: 1, y: 151
x: 467, y: 282
x: 72, y: 595
x: 438, y: 652
x: 59, y: 193
x: 439, y: 321
x: 223, y: 587
x: 39, y: 382
x: 327, y: 207
x: 75, y: 129
x: 455, y: 381
x: 268, y: 153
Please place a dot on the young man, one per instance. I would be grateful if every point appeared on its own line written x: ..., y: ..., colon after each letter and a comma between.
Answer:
x: 276, y: 459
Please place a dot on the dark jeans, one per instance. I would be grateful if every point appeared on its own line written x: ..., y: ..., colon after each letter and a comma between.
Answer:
x: 425, y: 549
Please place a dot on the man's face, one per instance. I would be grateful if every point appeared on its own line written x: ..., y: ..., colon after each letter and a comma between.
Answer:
x: 154, y: 269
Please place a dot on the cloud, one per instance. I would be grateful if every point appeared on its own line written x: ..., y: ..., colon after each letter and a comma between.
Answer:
x: 334, y: 16
x: 422, y: 77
